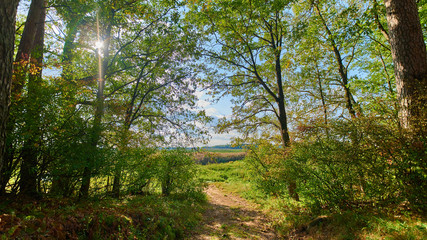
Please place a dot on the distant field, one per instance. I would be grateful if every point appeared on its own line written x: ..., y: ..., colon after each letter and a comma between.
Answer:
x: 220, y: 156
x: 226, y: 150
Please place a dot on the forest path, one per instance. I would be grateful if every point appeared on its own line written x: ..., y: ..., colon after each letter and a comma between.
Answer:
x: 230, y: 217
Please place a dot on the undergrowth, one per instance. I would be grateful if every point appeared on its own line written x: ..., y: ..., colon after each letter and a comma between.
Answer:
x: 134, y: 217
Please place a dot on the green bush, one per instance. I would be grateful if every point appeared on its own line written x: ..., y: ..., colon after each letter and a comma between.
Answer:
x: 364, y: 163
x: 266, y: 160
x: 176, y: 172
x: 139, y: 169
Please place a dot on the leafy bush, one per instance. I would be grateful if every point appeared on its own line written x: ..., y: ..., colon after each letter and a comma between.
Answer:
x: 139, y: 167
x: 366, y: 163
x: 176, y: 171
x: 266, y: 160
x: 295, y: 220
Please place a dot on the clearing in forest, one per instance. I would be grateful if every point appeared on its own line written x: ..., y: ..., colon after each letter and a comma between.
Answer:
x: 231, y: 217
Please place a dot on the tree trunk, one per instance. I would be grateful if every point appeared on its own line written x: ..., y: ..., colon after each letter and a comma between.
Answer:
x: 341, y: 68
x: 99, y: 111
x: 62, y: 179
x: 8, y: 9
x: 20, y: 70
x: 118, y: 167
x: 116, y: 182
x: 410, y: 63
x: 25, y: 45
x: 69, y: 46
x: 124, y: 141
x: 322, y: 98
x: 30, y: 153
x: 21, y: 60
x: 409, y: 54
x: 286, y: 141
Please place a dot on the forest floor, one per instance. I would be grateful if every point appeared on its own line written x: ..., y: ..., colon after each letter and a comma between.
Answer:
x: 229, y: 216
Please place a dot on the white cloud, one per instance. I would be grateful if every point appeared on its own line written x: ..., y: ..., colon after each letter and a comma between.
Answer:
x: 211, y: 111
x: 222, y: 139
x: 199, y: 94
x: 203, y: 103
x: 216, y: 110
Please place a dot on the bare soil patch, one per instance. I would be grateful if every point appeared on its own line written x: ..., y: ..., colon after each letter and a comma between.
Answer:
x: 230, y: 217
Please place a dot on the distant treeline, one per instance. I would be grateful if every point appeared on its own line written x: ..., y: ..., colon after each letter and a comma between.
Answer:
x: 223, y: 147
x: 218, y: 157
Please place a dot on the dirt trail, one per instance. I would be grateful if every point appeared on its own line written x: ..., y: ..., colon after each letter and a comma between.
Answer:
x: 231, y: 217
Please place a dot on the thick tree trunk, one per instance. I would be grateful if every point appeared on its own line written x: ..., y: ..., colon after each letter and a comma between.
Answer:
x: 116, y: 182
x: 410, y: 63
x: 29, y: 167
x: 69, y: 46
x: 286, y: 142
x: 20, y: 71
x: 8, y: 10
x: 409, y: 54
x: 25, y: 45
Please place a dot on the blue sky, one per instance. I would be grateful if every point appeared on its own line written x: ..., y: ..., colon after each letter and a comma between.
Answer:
x: 219, y: 109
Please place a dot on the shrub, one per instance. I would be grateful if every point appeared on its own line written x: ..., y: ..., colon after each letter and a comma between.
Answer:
x: 268, y: 173
x: 363, y: 164
x: 176, y: 171
x: 139, y: 169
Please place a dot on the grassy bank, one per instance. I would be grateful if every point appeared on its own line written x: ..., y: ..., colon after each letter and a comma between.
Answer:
x: 296, y: 220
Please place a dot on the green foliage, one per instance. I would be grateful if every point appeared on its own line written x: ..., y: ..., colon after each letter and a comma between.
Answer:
x: 176, y: 171
x: 363, y: 164
x: 270, y: 56
x: 247, y: 44
x: 422, y: 11
x: 149, y: 97
x: 267, y: 162
x: 138, y: 169
x: 366, y: 163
